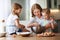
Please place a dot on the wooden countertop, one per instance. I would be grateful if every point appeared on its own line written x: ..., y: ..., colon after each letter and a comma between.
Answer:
x: 57, y: 37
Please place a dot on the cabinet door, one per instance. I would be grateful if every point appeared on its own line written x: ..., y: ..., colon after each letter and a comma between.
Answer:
x: 59, y: 26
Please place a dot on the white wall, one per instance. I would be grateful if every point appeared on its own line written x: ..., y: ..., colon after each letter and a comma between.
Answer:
x: 43, y: 3
x: 5, y: 7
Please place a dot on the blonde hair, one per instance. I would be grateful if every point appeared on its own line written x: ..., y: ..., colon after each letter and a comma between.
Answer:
x: 35, y: 6
x: 46, y: 10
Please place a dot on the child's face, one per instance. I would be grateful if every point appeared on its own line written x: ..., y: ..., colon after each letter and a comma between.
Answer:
x: 18, y: 11
x: 45, y: 15
x: 36, y: 12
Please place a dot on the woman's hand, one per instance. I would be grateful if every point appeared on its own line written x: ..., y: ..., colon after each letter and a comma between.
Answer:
x: 29, y: 25
x: 33, y: 24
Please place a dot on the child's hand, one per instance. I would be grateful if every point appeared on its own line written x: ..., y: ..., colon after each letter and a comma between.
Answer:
x: 52, y: 20
x: 25, y: 30
x: 22, y: 26
x: 48, y: 26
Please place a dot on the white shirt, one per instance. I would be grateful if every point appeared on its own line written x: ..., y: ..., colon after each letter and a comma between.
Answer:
x: 35, y: 19
x: 45, y: 22
x: 11, y: 19
x: 40, y: 21
x: 10, y: 24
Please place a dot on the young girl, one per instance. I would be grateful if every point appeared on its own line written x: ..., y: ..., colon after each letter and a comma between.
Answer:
x: 12, y: 24
x: 47, y: 19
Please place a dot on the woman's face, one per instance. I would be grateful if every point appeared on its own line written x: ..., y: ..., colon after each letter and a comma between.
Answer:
x: 36, y: 12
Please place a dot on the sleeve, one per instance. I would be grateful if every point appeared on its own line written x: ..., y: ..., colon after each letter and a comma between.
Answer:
x: 54, y: 22
x: 32, y: 19
x: 15, y: 17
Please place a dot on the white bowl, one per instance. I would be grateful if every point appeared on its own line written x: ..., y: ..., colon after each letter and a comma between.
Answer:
x: 24, y: 34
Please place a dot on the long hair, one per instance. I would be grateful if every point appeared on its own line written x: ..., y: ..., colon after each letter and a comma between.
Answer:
x: 36, y: 6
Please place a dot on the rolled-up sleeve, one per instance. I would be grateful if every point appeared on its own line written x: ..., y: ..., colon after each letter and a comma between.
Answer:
x: 32, y: 19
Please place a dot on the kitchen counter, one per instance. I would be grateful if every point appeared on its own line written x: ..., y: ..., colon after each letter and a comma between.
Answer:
x: 57, y: 37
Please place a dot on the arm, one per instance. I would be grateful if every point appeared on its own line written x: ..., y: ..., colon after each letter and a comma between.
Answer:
x: 30, y: 24
x: 53, y: 23
x: 18, y: 24
x: 48, y: 26
x: 33, y: 24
